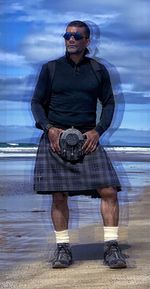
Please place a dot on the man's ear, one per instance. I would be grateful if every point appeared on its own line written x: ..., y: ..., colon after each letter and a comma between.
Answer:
x: 88, y: 41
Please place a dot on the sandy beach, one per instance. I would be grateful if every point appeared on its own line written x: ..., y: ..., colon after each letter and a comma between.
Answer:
x: 27, y: 241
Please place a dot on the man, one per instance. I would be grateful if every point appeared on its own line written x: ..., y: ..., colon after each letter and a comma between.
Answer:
x: 73, y: 94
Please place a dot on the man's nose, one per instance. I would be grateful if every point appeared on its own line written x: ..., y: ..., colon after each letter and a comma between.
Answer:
x: 72, y: 38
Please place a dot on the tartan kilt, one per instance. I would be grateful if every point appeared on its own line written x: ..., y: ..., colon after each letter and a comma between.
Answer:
x: 53, y: 174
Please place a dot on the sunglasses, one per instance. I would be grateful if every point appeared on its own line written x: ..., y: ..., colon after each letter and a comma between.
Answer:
x: 76, y: 35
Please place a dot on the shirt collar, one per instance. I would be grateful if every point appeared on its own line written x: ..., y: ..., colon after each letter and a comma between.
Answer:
x: 69, y: 60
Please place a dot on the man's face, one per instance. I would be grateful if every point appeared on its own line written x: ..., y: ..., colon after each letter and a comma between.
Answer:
x: 76, y: 46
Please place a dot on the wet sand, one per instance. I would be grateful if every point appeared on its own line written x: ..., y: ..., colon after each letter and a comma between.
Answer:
x: 27, y: 240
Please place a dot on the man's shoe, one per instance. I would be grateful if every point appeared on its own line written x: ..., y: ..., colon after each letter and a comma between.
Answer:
x: 62, y: 256
x: 113, y: 256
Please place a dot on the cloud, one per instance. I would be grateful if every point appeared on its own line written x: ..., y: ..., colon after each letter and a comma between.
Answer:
x: 13, y: 58
x: 46, y: 17
x: 44, y: 45
x: 13, y: 64
x: 130, y: 60
x: 11, y: 8
x: 124, y: 33
x: 16, y: 89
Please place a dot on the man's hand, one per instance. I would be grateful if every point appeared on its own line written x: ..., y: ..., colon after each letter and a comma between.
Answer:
x: 91, y: 141
x: 54, y: 135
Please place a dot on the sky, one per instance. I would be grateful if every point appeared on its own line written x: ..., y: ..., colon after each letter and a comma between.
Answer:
x: 31, y: 34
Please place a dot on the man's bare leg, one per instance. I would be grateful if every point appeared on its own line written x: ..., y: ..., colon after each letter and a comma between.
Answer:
x: 60, y: 218
x: 109, y: 206
x: 110, y: 214
x: 60, y: 211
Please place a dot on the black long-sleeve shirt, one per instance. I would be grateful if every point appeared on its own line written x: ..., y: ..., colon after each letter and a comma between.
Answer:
x: 73, y: 97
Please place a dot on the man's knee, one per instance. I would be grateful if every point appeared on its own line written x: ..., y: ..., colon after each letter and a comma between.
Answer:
x: 108, y: 193
x: 59, y: 198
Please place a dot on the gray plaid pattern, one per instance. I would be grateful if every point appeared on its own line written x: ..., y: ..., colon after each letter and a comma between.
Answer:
x: 53, y: 174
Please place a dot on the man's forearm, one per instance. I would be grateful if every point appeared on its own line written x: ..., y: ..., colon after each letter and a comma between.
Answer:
x: 105, y: 118
x: 39, y: 115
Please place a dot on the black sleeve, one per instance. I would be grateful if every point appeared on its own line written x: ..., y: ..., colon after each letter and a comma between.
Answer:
x: 40, y: 98
x: 106, y: 98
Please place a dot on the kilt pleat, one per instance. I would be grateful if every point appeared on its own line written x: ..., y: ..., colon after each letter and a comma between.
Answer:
x: 53, y: 174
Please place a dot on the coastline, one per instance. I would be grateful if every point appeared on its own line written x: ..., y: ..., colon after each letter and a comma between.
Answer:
x: 123, y: 153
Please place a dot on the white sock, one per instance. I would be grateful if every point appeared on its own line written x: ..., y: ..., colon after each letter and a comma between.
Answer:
x: 62, y: 236
x: 110, y: 233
